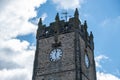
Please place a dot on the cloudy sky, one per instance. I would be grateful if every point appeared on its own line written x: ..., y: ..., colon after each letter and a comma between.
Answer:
x: 18, y: 24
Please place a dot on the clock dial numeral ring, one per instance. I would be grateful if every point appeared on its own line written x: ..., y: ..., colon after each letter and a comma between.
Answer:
x: 87, y: 61
x: 56, y: 54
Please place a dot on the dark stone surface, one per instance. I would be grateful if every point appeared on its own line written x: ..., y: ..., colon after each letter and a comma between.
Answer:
x: 75, y: 42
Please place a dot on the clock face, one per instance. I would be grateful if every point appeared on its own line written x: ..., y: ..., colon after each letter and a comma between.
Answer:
x: 87, y: 62
x: 56, y: 54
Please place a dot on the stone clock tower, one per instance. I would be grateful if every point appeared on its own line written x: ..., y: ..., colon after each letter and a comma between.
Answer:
x: 64, y: 51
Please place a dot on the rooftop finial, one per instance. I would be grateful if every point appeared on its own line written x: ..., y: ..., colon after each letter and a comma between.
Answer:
x: 57, y: 17
x: 76, y: 14
x: 91, y: 34
x: 40, y: 21
x: 85, y: 24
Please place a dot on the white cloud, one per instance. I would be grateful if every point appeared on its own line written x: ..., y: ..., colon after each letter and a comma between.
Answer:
x: 68, y: 4
x: 15, y: 74
x: 103, y: 75
x: 100, y: 58
x: 16, y: 56
x: 15, y: 16
x: 44, y: 15
x: 14, y: 44
x: 18, y: 60
x: 111, y: 22
x: 106, y: 76
x: 36, y: 20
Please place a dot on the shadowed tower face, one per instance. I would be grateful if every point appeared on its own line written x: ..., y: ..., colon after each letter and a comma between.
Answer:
x: 64, y: 51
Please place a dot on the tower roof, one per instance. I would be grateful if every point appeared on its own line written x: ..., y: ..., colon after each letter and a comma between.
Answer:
x: 40, y: 21
x: 76, y: 14
x: 91, y: 34
x: 85, y: 24
x: 57, y: 17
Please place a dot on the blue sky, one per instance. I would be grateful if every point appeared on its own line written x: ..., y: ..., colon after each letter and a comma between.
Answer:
x: 19, y: 20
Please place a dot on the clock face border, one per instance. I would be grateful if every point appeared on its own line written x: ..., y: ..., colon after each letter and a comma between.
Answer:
x: 86, y: 60
x: 54, y: 55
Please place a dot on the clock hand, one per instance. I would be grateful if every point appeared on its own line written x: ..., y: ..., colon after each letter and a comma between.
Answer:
x: 56, y: 54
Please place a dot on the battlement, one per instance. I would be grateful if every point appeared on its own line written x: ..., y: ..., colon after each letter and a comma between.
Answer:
x: 64, y: 51
x: 62, y: 27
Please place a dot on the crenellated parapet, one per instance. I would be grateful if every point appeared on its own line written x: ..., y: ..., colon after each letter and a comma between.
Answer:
x: 62, y: 27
